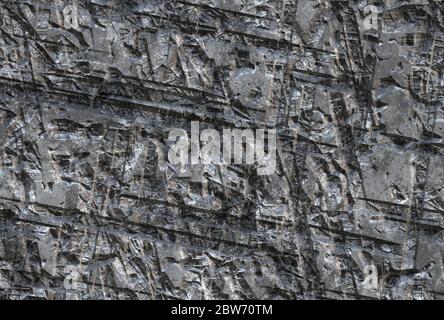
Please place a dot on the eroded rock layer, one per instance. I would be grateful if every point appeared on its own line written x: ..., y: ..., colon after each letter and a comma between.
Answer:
x: 91, y: 208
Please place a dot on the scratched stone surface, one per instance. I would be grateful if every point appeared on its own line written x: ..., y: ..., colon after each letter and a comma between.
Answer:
x: 90, y: 208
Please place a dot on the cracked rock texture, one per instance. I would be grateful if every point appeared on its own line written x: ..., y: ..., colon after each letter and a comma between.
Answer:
x: 90, y: 208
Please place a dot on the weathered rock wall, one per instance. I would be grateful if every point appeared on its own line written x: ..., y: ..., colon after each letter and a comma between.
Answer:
x: 91, y: 208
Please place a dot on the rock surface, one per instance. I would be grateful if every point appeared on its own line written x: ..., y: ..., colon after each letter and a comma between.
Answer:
x: 90, y: 208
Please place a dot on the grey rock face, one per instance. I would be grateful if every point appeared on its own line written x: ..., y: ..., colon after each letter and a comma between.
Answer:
x: 91, y: 208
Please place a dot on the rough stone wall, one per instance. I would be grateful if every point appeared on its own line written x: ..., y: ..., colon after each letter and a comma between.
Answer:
x: 90, y: 208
